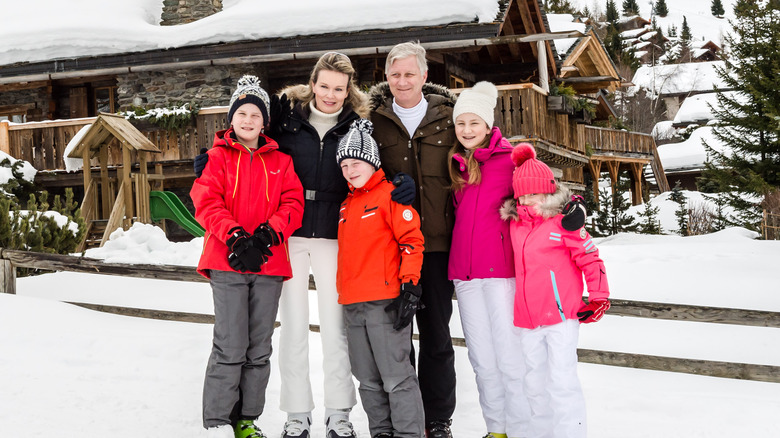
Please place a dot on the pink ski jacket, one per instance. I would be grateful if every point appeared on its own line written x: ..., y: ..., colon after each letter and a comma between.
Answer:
x: 549, y: 267
x: 480, y: 239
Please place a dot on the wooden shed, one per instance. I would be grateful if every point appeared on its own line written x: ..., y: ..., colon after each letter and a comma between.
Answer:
x: 123, y: 201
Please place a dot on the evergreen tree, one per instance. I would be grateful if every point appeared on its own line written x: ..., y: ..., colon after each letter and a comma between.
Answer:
x: 649, y: 223
x: 612, y: 216
x: 660, y: 8
x: 672, y: 31
x: 682, y: 209
x: 717, y: 8
x: 747, y: 119
x: 612, y: 13
x: 685, y: 33
x: 630, y: 7
x: 559, y: 7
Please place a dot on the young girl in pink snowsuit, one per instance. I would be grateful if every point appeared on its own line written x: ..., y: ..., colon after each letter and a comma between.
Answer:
x: 549, y: 266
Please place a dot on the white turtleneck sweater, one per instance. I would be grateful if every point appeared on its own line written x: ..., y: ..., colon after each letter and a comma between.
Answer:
x: 321, y: 121
x: 411, y: 117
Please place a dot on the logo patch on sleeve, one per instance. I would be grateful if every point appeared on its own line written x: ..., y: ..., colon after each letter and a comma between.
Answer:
x: 408, y: 215
x: 583, y: 233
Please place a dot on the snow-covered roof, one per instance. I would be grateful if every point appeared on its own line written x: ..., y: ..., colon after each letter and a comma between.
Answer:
x: 689, y: 154
x: 677, y: 78
x: 41, y: 30
x: 560, y: 23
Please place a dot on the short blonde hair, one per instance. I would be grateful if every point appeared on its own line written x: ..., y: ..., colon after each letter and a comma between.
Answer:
x: 405, y: 50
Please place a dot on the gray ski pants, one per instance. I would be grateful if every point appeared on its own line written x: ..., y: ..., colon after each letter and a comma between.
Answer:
x: 380, y: 361
x: 244, y: 312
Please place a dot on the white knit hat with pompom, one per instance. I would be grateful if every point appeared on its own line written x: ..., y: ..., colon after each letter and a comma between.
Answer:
x: 480, y: 100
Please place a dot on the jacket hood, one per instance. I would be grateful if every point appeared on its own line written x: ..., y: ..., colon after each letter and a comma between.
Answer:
x: 549, y: 208
x: 296, y: 94
x: 381, y: 92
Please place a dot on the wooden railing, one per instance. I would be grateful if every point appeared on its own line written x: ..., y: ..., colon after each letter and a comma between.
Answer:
x: 604, y: 140
x: 11, y: 259
x: 43, y: 143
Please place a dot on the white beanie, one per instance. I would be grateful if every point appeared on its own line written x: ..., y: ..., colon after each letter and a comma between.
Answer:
x: 480, y: 100
x: 359, y: 144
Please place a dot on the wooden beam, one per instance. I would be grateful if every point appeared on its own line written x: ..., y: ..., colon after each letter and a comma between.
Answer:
x: 7, y: 277
x: 613, y: 168
x: 23, y: 86
x: 636, y: 188
x: 514, y: 48
x: 528, y: 22
x: 5, y: 138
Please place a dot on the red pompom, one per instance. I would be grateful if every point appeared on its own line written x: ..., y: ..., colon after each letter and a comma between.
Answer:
x: 523, y: 152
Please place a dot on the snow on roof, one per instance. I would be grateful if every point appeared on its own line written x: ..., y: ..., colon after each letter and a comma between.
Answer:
x: 560, y: 23
x: 689, y: 154
x: 39, y: 30
x: 664, y: 130
x: 677, y: 78
x: 696, y: 108
x: 633, y: 33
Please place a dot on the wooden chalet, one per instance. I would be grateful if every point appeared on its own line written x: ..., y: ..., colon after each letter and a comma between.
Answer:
x: 513, y: 51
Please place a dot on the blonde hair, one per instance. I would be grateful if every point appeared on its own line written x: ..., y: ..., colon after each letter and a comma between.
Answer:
x: 472, y: 165
x: 405, y: 50
x: 339, y: 63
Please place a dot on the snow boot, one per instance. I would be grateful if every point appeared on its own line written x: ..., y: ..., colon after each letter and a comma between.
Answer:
x: 339, y: 426
x: 248, y: 429
x: 297, y: 426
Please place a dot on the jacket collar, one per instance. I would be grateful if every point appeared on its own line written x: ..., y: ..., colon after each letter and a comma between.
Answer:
x: 498, y: 144
x: 372, y: 182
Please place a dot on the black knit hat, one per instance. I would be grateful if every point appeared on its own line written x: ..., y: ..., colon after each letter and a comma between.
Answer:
x: 359, y: 144
x: 249, y: 91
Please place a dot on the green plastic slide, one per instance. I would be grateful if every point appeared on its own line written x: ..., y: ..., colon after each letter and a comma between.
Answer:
x: 166, y: 205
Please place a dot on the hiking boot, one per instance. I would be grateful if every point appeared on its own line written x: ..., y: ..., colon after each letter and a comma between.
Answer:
x: 248, y: 429
x: 438, y: 429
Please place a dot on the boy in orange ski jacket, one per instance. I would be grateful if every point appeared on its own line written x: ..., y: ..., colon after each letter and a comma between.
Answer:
x: 379, y: 262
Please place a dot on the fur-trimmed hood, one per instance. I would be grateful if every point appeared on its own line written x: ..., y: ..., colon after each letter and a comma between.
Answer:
x: 549, y: 208
x: 381, y: 92
x: 296, y: 93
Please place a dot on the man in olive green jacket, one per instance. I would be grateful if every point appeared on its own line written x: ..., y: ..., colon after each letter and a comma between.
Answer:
x: 413, y: 128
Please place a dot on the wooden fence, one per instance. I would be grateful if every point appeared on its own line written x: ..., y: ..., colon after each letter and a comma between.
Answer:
x: 43, y: 143
x: 11, y: 259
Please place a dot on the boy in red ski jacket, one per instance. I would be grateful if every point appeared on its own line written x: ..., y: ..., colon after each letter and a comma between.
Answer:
x: 379, y: 262
x: 249, y: 200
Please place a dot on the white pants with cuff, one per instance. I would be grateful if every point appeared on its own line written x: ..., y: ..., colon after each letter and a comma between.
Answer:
x: 296, y: 393
x: 551, y: 383
x: 486, y: 312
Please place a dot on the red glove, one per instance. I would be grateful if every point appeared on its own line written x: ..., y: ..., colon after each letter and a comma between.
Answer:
x: 593, y: 311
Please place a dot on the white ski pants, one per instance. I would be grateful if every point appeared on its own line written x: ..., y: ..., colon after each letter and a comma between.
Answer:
x: 296, y: 394
x: 551, y: 382
x: 486, y: 311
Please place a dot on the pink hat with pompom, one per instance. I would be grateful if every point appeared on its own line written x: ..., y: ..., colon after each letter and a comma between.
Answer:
x: 530, y: 175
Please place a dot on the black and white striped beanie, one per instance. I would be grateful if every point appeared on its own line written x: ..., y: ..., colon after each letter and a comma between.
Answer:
x: 359, y: 144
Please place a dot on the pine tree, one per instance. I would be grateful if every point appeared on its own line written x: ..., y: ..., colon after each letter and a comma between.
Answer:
x: 559, y: 7
x: 685, y: 33
x: 682, y: 209
x: 717, y: 8
x: 649, y: 223
x: 612, y: 13
x: 748, y: 119
x: 660, y: 8
x: 612, y: 216
x: 630, y: 7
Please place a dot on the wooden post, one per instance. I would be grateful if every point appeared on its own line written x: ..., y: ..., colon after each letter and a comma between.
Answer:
x: 127, y: 185
x: 636, y: 188
x: 106, y: 197
x: 595, y: 173
x: 5, y: 137
x: 7, y: 277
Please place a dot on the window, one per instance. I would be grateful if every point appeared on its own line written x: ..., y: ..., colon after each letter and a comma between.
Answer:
x: 456, y: 82
x: 105, y: 100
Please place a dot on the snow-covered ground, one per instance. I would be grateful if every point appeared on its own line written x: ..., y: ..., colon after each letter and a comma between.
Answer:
x: 87, y: 374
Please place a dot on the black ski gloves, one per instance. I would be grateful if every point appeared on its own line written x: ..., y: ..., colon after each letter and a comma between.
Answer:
x: 267, y: 236
x: 246, y: 253
x: 405, y: 189
x: 407, y: 304
x: 199, y: 163
x: 574, y: 214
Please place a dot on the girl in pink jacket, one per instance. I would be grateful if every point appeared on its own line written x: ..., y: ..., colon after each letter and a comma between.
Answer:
x: 550, y: 263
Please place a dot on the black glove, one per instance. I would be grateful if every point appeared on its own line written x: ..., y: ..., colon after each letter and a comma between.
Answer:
x: 246, y: 254
x: 199, y: 163
x: 267, y: 236
x: 574, y: 214
x: 407, y: 304
x: 279, y: 107
x: 405, y: 189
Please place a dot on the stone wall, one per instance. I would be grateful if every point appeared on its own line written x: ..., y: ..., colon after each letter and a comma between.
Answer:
x: 203, y: 86
x: 186, y: 11
x: 36, y: 96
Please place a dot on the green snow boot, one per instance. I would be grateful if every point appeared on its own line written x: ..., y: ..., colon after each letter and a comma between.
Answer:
x: 248, y: 429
